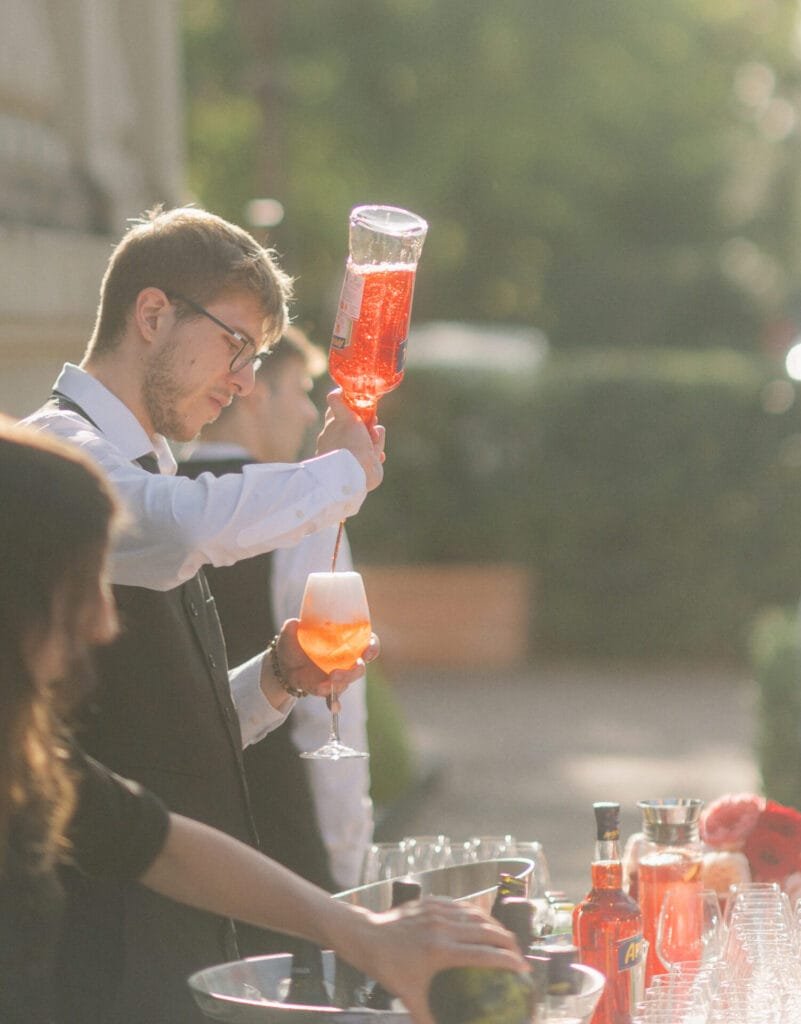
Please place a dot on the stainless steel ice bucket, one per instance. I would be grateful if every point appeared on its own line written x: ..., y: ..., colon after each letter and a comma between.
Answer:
x: 474, y: 882
x: 252, y: 990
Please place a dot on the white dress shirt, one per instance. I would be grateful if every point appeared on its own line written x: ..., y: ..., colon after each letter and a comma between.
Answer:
x: 176, y: 525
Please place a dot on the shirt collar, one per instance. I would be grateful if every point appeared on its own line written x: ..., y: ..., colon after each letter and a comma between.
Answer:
x: 113, y: 417
x: 215, y: 451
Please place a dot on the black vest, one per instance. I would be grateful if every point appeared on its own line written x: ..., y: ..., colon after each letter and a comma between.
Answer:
x: 162, y: 714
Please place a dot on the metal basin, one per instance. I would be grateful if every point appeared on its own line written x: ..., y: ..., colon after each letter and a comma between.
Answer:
x: 252, y: 990
x: 474, y: 882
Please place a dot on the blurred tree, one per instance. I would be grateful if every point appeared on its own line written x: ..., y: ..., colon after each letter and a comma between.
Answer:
x: 617, y: 172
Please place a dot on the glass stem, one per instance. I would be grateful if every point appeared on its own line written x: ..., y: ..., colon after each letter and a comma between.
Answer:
x: 334, y: 708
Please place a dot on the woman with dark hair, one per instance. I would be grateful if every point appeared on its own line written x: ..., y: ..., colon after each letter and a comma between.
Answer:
x: 57, y: 805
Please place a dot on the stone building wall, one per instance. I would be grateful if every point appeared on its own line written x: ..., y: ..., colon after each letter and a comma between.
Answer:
x: 91, y: 134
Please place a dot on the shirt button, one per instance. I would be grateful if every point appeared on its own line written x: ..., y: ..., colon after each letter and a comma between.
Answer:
x: 193, y: 608
x: 299, y: 514
x: 212, y: 661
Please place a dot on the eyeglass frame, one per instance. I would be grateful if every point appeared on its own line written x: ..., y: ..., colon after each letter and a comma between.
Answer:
x: 255, y: 360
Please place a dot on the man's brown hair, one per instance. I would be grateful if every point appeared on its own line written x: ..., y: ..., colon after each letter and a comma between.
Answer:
x: 194, y: 253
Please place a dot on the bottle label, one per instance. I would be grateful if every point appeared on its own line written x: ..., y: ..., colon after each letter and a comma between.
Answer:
x: 400, y: 356
x: 630, y: 982
x: 349, y: 309
x: 629, y: 953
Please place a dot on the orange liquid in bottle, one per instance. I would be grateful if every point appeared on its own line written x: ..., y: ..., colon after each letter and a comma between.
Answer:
x: 607, y: 928
x: 368, y: 349
x: 332, y: 645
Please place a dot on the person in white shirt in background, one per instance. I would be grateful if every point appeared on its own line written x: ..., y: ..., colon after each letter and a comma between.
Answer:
x: 272, y: 425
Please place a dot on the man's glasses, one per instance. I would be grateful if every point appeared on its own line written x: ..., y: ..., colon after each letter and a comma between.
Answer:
x: 245, y: 355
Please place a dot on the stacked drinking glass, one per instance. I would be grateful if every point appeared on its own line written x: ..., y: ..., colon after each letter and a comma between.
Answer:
x: 751, y: 976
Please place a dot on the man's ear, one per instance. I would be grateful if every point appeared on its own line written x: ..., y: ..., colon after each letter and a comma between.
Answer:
x: 150, y: 311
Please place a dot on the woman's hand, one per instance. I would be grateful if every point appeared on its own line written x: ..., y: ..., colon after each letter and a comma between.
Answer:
x: 406, y: 947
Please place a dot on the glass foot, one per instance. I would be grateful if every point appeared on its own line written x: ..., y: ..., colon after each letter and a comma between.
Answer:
x: 333, y: 751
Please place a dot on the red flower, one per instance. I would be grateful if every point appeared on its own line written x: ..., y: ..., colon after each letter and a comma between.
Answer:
x: 784, y: 820
x: 727, y: 822
x: 774, y: 846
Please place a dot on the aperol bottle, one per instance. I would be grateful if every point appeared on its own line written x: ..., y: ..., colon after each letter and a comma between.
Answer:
x: 607, y: 924
x: 368, y: 344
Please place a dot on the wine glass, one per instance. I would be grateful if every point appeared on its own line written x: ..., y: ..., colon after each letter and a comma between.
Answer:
x: 540, y: 881
x: 690, y: 926
x: 383, y: 861
x: 492, y: 847
x: 428, y: 852
x: 334, y: 631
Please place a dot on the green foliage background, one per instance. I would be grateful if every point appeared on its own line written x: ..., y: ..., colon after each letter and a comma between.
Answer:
x: 655, y: 496
x: 776, y: 659
x: 622, y: 174
x: 617, y: 172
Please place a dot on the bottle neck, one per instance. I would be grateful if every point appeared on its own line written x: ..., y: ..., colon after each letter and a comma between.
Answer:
x: 606, y: 868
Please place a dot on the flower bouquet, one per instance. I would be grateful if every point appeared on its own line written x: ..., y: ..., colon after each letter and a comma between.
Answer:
x: 750, y: 839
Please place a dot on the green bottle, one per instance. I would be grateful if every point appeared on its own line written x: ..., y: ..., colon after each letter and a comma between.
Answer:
x: 482, y: 995
x: 404, y: 890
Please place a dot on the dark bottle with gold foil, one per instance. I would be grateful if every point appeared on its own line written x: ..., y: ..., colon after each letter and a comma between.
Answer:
x: 306, y: 985
x: 480, y: 995
x: 607, y: 925
x: 508, y: 885
x: 404, y: 890
x: 515, y: 914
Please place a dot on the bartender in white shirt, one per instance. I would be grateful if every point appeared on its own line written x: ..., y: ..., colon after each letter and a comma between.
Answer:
x: 188, y: 303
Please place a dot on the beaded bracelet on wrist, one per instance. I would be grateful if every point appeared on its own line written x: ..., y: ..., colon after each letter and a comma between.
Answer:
x: 272, y: 651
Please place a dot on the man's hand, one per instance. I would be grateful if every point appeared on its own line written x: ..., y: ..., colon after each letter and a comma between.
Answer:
x: 301, y: 673
x: 342, y: 428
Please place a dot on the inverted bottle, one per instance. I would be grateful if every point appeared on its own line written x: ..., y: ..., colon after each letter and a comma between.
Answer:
x: 368, y: 344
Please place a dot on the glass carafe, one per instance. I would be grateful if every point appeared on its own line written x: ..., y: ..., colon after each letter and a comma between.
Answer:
x: 669, y: 857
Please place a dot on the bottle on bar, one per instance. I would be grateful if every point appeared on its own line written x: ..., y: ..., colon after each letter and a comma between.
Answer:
x: 607, y: 925
x: 515, y: 913
x: 480, y: 995
x: 404, y: 890
x: 508, y: 885
x: 306, y: 985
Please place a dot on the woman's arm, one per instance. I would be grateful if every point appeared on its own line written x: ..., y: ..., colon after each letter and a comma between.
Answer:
x: 401, y: 948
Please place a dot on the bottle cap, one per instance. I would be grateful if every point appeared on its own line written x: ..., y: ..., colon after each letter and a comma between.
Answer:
x: 607, y: 821
x: 671, y: 821
x: 404, y: 890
